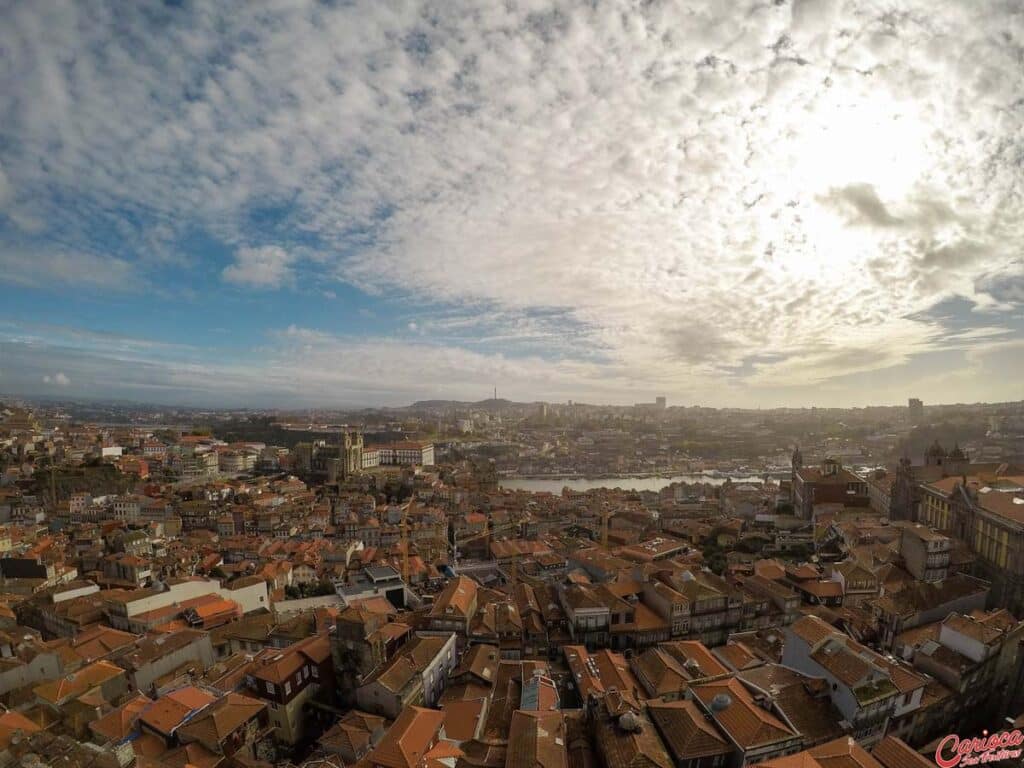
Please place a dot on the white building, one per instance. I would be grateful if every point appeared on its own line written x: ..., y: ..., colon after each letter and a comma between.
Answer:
x: 406, y: 454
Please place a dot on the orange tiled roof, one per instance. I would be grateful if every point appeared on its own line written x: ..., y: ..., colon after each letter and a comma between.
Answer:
x: 459, y: 595
x: 537, y: 740
x: 11, y: 723
x: 894, y: 753
x: 687, y: 733
x: 409, y: 739
x: 222, y: 718
x: 118, y: 723
x: 844, y: 752
x: 462, y: 718
x: 748, y: 724
x: 812, y: 630
x: 75, y: 684
x: 171, y: 709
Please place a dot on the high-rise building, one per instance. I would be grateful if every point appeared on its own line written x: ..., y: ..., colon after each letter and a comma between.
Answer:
x: 916, y: 411
x: 660, y: 402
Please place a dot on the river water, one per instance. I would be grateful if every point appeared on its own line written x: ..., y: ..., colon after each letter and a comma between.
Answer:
x: 626, y: 483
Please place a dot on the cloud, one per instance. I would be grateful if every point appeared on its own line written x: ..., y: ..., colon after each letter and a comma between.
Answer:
x: 301, y: 366
x: 264, y: 267
x: 6, y: 191
x: 47, y: 269
x: 864, y: 202
x: 661, y: 193
x: 58, y: 378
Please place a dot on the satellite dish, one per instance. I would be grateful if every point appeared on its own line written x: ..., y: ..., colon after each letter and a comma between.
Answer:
x: 721, y: 702
x: 629, y: 722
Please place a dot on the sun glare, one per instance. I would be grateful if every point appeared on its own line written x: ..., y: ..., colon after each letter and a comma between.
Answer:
x: 863, y: 140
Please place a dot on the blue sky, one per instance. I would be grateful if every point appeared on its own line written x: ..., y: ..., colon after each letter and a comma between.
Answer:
x: 364, y: 203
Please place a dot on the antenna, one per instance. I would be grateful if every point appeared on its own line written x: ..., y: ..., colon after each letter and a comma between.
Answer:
x: 495, y: 394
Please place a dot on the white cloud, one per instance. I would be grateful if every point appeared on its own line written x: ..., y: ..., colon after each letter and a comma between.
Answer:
x: 687, y: 187
x: 6, y: 192
x: 47, y: 268
x: 305, y: 367
x: 58, y: 378
x: 264, y: 267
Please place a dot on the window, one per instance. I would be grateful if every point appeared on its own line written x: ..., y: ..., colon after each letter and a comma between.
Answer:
x: 305, y: 672
x: 316, y: 672
x: 287, y: 689
x: 270, y: 688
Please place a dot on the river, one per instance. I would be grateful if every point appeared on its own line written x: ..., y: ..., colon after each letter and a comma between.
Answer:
x: 538, y: 485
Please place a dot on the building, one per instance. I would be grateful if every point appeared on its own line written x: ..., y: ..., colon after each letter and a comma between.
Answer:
x: 353, y: 736
x: 925, y: 552
x: 373, y: 581
x: 129, y: 508
x: 287, y: 678
x: 624, y: 735
x: 862, y: 685
x: 410, y: 742
x: 844, y: 752
x: 123, y: 609
x: 981, y: 504
x: 880, y: 490
x: 692, y: 739
x: 829, y: 483
x: 915, y: 411
x: 667, y: 670
x: 407, y: 453
x: 155, y: 656
x: 922, y: 602
x: 163, y: 717
x: 755, y: 733
x: 600, y: 673
x: 230, y: 726
x: 978, y: 656
x: 455, y: 607
x: 588, y: 615
x: 416, y: 675
x: 194, y: 465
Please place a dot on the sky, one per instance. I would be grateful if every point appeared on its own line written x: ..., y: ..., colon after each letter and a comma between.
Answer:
x: 348, y: 203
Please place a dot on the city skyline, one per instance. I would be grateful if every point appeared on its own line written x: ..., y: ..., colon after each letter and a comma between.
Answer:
x: 482, y: 402
x: 749, y: 205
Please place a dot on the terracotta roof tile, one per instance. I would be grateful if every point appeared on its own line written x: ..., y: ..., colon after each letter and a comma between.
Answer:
x: 895, y: 753
x: 172, y: 709
x: 118, y: 723
x: 687, y: 733
x: 75, y: 684
x: 219, y: 720
x: 537, y: 740
x: 409, y: 739
x: 748, y: 724
x: 842, y: 753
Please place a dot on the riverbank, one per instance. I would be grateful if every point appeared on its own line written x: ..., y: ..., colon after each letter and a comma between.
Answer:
x: 639, y: 482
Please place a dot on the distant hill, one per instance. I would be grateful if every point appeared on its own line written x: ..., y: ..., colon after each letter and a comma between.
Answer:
x: 490, y: 403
